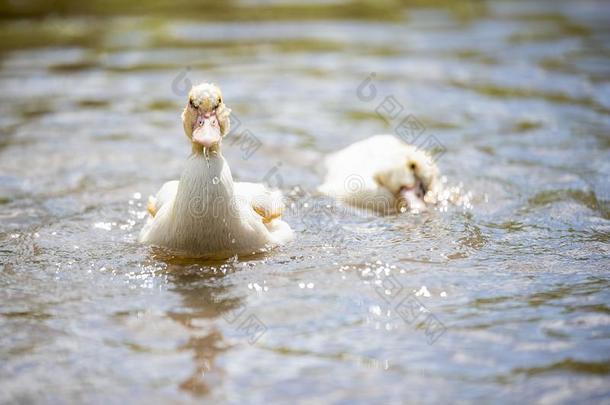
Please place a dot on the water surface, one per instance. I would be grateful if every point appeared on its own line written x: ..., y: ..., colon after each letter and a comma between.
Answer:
x: 501, y: 297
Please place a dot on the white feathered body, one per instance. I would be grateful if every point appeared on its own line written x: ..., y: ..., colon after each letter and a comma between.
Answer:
x: 359, y: 162
x: 206, y: 213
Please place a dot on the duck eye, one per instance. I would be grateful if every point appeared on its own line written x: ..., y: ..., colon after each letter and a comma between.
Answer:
x: 192, y: 104
x: 412, y: 165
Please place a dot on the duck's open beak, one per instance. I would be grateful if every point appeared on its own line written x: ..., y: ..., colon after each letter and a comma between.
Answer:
x: 206, y: 133
x: 411, y: 198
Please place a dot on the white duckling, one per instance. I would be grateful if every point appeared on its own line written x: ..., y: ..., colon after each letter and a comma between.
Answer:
x: 205, y: 213
x: 382, y: 174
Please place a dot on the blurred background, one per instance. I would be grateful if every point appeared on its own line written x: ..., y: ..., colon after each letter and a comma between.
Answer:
x: 507, y: 291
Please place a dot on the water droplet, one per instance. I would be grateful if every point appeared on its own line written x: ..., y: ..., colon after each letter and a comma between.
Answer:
x: 215, y: 180
x: 233, y: 240
x: 206, y: 154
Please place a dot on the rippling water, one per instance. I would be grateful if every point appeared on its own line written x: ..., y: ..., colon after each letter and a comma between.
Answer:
x: 501, y: 297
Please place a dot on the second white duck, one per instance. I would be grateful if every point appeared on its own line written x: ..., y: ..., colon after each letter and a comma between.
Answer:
x: 382, y: 174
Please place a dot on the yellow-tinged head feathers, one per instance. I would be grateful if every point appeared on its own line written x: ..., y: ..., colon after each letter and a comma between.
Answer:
x: 203, y: 99
x: 205, y: 96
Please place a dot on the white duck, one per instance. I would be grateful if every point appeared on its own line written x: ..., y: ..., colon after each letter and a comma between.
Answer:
x: 382, y: 174
x: 205, y: 213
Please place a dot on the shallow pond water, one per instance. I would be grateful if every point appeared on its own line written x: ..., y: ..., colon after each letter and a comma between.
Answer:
x: 503, y: 296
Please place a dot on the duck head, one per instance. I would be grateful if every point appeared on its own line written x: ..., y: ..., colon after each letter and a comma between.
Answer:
x: 205, y: 117
x: 413, y: 182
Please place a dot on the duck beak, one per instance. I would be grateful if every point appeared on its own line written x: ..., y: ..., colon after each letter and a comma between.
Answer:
x: 205, y: 133
x: 411, y: 198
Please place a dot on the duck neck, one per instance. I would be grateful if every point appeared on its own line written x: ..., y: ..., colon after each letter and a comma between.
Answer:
x: 199, y: 150
x: 205, y: 190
